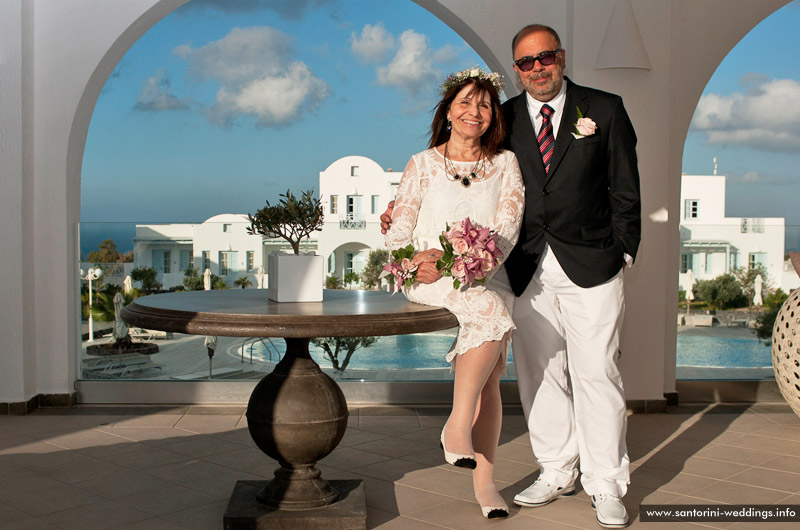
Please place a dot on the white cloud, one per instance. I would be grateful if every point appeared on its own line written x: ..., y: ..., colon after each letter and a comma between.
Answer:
x: 373, y: 44
x: 155, y: 95
x: 412, y: 67
x: 183, y: 51
x: 275, y: 99
x: 258, y: 77
x: 766, y: 117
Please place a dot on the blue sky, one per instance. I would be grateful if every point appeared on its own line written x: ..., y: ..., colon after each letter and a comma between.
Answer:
x: 221, y: 106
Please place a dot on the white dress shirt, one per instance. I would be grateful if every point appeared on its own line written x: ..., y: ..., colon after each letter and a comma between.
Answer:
x: 557, y: 103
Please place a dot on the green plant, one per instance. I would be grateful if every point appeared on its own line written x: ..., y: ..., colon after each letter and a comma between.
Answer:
x: 243, y: 281
x: 335, y: 346
x: 193, y: 280
x: 766, y: 320
x: 291, y: 219
x: 351, y: 278
x: 333, y: 282
x: 721, y: 292
x: 103, y: 302
x: 148, y: 276
x: 370, y: 276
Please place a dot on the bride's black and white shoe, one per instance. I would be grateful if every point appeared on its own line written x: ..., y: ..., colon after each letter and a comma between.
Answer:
x: 455, y: 459
x: 496, y: 508
x: 494, y: 512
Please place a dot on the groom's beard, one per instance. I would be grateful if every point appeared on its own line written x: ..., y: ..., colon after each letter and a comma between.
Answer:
x: 546, y: 91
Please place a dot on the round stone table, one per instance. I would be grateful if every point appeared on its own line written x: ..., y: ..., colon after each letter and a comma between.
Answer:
x: 296, y: 414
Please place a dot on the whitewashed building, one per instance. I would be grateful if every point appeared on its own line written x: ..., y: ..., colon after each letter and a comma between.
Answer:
x: 712, y: 244
x: 167, y: 248
x: 354, y: 191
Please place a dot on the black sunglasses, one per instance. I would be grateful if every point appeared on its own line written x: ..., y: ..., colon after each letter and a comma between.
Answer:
x: 527, y: 63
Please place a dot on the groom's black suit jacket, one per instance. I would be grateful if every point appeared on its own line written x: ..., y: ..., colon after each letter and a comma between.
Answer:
x: 587, y: 207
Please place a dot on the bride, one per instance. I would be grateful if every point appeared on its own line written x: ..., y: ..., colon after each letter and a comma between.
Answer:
x: 465, y: 173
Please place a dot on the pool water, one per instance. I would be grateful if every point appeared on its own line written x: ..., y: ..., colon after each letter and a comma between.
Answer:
x: 723, y: 352
x: 427, y: 350
x: 396, y: 352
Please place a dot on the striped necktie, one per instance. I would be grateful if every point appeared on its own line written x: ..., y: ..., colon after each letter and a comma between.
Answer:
x: 545, y: 138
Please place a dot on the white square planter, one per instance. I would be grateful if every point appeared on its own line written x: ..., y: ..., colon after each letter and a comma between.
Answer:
x: 295, y: 277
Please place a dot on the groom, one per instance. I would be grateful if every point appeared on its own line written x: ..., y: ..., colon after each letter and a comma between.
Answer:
x: 577, y: 151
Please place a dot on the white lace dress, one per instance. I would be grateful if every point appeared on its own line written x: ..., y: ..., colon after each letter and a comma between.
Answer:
x: 427, y: 200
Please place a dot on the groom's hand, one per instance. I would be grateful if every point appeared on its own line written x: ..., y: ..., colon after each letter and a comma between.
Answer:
x: 386, y: 218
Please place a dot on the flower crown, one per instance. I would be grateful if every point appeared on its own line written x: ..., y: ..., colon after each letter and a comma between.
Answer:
x: 479, y: 73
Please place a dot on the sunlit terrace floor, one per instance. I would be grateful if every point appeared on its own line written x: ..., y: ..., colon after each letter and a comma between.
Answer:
x: 159, y: 468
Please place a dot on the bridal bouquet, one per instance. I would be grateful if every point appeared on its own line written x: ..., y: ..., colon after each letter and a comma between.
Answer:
x: 470, y: 252
x: 401, y: 267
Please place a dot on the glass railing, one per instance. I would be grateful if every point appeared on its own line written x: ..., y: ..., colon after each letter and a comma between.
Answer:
x: 174, y: 257
x: 716, y: 338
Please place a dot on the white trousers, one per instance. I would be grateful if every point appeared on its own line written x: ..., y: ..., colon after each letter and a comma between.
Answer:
x: 566, y: 346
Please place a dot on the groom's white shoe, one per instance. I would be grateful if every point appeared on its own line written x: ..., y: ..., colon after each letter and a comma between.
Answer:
x: 611, y: 512
x: 540, y: 493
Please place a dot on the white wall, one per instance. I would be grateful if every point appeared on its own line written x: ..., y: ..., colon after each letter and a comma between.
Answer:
x: 55, y: 57
x: 337, y: 180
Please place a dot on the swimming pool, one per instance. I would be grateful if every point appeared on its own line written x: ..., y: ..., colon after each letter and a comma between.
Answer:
x: 427, y: 350
x: 722, y: 352
x: 394, y: 352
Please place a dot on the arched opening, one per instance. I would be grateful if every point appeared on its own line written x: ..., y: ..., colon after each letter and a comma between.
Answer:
x: 738, y: 215
x: 209, y: 92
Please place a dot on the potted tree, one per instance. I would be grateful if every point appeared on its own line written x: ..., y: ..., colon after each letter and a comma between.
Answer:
x: 292, y: 277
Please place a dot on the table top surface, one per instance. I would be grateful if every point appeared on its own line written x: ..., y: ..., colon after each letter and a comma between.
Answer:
x: 248, y: 313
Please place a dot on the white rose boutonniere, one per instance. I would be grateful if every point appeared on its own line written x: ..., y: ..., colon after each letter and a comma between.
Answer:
x: 584, y: 126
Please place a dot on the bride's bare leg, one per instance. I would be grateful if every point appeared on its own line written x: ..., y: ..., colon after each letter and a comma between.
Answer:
x: 486, y: 437
x: 473, y: 369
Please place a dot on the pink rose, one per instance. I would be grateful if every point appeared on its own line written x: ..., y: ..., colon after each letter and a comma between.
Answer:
x: 460, y: 246
x: 586, y: 126
x: 459, y: 269
x: 487, y: 261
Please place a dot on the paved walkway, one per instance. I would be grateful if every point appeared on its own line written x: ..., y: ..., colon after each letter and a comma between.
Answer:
x: 174, y: 468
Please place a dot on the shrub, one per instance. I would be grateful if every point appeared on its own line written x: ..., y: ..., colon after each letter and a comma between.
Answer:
x: 766, y: 320
x: 374, y: 267
x: 148, y: 276
x: 351, y: 278
x: 722, y: 292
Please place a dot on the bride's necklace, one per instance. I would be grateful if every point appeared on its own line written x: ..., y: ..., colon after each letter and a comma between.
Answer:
x: 465, y: 180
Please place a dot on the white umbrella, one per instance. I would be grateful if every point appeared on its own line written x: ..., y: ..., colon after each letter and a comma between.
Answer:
x: 207, y: 280
x: 260, y: 277
x: 210, y: 342
x: 127, y: 285
x: 689, y: 285
x: 120, y: 329
x: 759, y: 282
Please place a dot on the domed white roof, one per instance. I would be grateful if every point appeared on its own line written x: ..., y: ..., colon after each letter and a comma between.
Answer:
x: 354, y: 160
x: 228, y: 218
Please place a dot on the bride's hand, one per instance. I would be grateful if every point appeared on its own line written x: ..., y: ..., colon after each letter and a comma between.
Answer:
x: 426, y: 265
